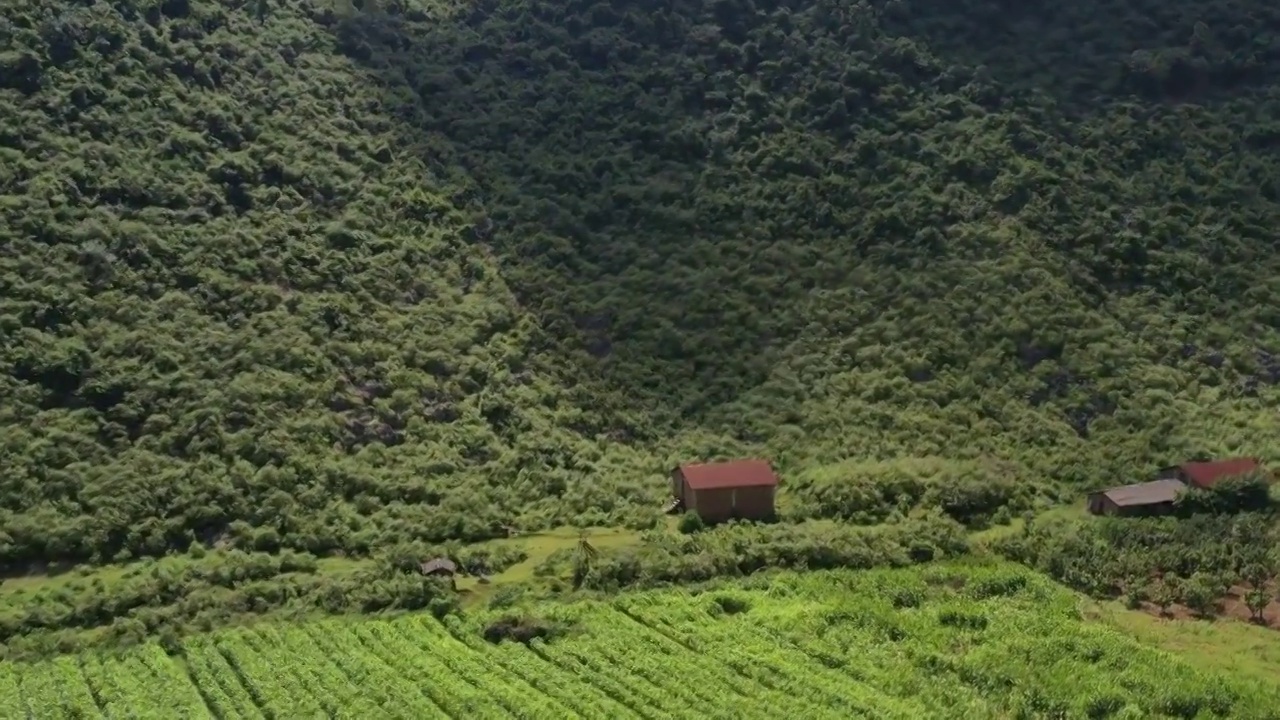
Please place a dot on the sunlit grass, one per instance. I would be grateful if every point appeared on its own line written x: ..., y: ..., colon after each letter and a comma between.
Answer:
x: 1225, y: 644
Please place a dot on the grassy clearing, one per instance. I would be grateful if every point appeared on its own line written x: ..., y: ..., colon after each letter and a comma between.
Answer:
x: 1074, y: 511
x: 1227, y: 645
x: 539, y: 547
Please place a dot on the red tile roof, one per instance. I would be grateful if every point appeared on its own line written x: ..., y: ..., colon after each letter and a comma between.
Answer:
x: 1206, y: 474
x: 732, y: 474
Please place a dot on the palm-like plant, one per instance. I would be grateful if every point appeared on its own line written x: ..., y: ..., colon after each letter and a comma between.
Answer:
x: 584, y: 557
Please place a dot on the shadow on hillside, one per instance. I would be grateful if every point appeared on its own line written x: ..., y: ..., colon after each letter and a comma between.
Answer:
x: 588, y: 137
x: 656, y: 183
x: 1084, y: 53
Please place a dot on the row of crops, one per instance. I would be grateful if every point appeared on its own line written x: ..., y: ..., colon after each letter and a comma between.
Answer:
x: 931, y: 643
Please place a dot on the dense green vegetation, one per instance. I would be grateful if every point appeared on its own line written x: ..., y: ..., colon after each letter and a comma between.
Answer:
x: 204, y: 590
x: 298, y: 280
x: 940, y: 642
x: 172, y: 596
x: 1197, y: 560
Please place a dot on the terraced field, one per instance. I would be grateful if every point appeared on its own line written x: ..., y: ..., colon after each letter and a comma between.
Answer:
x: 941, y: 642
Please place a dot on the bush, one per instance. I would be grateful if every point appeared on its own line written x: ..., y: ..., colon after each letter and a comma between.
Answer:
x: 963, y: 619
x: 519, y: 629
x: 691, y: 522
x: 1003, y: 585
x: 906, y: 597
x: 1200, y: 593
x: 1247, y: 494
x: 731, y: 604
x: 742, y: 549
x: 971, y: 492
x: 507, y: 596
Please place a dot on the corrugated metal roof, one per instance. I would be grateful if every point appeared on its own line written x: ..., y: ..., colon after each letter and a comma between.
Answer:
x: 735, y: 473
x: 1207, y: 474
x: 438, y: 565
x: 1147, y: 493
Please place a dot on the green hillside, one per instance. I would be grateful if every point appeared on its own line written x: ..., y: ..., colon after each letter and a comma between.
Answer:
x: 289, y: 275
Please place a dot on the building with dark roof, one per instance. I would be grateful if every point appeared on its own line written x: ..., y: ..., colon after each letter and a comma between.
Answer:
x: 1158, y: 496
x: 1208, y: 474
x: 724, y: 490
x: 1149, y: 498
x: 439, y: 566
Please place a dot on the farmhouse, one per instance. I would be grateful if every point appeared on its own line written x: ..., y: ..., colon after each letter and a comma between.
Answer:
x: 1149, y: 498
x: 1157, y: 497
x: 1208, y: 474
x: 724, y: 490
x: 441, y: 566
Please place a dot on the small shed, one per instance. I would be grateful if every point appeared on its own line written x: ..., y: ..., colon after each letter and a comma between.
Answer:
x: 1207, y: 474
x: 1149, y: 498
x: 440, y: 567
x: 724, y: 490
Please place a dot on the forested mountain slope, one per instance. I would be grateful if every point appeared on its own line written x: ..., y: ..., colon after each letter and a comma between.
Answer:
x: 289, y: 274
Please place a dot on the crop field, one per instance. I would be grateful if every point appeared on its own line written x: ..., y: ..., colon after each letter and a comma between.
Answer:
x: 943, y: 641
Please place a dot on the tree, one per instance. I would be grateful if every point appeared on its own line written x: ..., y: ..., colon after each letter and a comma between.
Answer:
x: 1028, y: 522
x: 1135, y: 592
x: 1165, y: 594
x: 1200, y: 594
x: 1231, y: 496
x: 1257, y: 601
x: 1257, y: 575
x: 584, y: 556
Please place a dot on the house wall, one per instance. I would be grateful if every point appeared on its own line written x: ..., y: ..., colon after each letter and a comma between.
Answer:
x: 1100, y: 504
x: 749, y: 503
x: 755, y: 503
x: 1160, y: 508
x: 713, y: 505
x: 678, y: 486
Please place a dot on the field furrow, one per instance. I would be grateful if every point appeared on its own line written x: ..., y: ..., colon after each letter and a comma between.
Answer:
x: 53, y: 690
x: 110, y: 689
x: 572, y: 690
x: 341, y: 697
x: 397, y: 695
x: 752, y: 653
x: 456, y: 696
x: 523, y: 701
x: 219, y: 682
x: 338, y: 699
x: 618, y: 643
x: 171, y: 687
x: 276, y: 692
x: 574, y: 663
x: 709, y: 671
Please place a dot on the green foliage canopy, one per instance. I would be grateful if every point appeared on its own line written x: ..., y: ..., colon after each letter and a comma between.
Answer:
x: 330, y: 281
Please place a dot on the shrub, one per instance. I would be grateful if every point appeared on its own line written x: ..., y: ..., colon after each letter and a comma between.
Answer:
x: 906, y: 597
x: 691, y: 522
x: 519, y: 629
x: 732, y: 604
